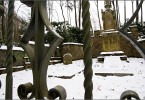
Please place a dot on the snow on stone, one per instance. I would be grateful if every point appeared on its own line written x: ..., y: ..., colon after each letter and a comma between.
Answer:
x: 32, y: 42
x: 113, y: 52
x: 109, y: 32
x: 141, y: 39
x: 72, y: 43
x: 3, y: 47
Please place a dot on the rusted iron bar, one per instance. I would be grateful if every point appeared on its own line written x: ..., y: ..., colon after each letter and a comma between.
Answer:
x: 87, y: 47
x: 128, y: 95
x: 9, y: 60
x: 39, y: 55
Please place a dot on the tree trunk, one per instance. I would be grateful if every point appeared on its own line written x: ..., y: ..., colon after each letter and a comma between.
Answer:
x: 137, y: 14
x: 132, y: 1
x: 3, y: 26
x: 61, y: 6
x: 98, y: 14
x: 124, y: 11
x: 141, y: 16
x: 80, y: 8
x: 75, y: 13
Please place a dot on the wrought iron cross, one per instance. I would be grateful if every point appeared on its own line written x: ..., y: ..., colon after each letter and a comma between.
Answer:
x: 39, y: 55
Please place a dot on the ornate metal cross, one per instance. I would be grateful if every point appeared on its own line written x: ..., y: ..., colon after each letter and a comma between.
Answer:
x: 39, y: 55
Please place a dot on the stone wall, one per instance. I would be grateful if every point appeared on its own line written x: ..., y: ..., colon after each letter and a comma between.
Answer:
x: 96, y: 44
x: 75, y: 49
x: 110, y: 41
x: 18, y: 54
x: 125, y: 45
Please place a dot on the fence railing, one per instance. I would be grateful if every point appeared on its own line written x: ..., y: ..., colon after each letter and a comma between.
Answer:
x: 39, y: 57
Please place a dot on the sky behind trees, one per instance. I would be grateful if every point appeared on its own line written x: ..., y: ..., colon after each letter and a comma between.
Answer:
x: 56, y: 13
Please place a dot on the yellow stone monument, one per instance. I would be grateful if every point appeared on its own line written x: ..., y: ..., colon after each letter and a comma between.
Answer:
x: 109, y: 16
x: 110, y: 35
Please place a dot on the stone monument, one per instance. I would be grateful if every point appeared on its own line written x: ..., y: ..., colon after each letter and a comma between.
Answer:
x: 109, y: 16
x: 110, y: 35
x: 67, y: 59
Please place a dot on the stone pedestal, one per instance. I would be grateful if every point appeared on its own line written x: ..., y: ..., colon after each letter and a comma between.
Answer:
x: 110, y: 41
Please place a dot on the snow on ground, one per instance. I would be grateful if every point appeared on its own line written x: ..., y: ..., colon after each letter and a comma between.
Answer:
x: 109, y: 87
x: 4, y: 47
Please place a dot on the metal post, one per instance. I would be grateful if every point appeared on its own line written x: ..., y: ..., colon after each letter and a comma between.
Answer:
x: 39, y: 55
x: 88, y: 73
x: 9, y: 60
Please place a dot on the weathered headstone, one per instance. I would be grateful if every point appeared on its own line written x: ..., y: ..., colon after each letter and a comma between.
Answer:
x: 109, y: 16
x: 67, y: 58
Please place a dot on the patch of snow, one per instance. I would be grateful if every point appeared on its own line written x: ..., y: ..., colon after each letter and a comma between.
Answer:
x: 72, y: 43
x: 133, y: 26
x: 141, y: 39
x: 109, y: 87
x: 32, y: 42
x: 109, y: 32
x: 3, y: 47
x: 113, y: 52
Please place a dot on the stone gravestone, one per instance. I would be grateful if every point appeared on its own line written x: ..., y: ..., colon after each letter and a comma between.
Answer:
x: 67, y: 58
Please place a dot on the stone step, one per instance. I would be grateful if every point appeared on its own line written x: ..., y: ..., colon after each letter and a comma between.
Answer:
x: 100, y: 59
x: 104, y: 74
x: 114, y: 53
x: 124, y: 57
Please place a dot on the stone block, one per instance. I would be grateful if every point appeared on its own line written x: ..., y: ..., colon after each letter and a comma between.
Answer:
x: 123, y: 57
x: 100, y: 59
x: 67, y: 58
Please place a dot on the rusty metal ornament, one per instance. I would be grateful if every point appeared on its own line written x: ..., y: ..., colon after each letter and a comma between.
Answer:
x: 9, y: 59
x: 24, y: 90
x: 57, y: 91
x: 88, y: 72
x: 39, y: 55
x: 129, y: 94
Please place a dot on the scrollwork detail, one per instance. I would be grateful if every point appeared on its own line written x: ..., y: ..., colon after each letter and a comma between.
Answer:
x: 39, y: 55
x: 24, y: 89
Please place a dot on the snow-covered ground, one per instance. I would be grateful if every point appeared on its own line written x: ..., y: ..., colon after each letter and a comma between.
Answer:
x: 109, y: 87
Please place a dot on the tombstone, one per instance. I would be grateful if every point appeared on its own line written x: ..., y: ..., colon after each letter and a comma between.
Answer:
x: 109, y: 16
x: 67, y: 59
x: 110, y: 35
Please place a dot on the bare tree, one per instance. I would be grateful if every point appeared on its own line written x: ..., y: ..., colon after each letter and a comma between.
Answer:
x: 132, y: 1
x: 69, y: 6
x: 75, y: 13
x: 50, y: 7
x: 141, y: 16
x: 124, y: 11
x: 98, y: 13
x: 3, y: 24
x: 80, y: 9
x: 61, y: 7
x: 137, y: 14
